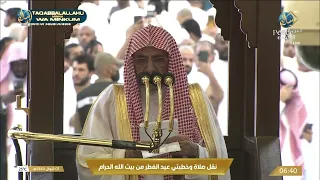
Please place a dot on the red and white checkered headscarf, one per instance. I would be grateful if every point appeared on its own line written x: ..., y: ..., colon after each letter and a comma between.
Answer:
x: 183, y: 111
x: 296, y: 115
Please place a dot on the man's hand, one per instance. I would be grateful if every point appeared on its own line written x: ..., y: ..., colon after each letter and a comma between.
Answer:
x: 10, y: 97
x: 133, y: 154
x: 75, y: 122
x: 188, y: 42
x: 130, y: 31
x: 134, y: 28
x: 286, y: 93
x: 188, y: 148
x: 204, y: 67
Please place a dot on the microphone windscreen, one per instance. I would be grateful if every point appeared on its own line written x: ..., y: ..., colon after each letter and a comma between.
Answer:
x: 168, y: 74
x: 141, y: 75
x: 153, y: 75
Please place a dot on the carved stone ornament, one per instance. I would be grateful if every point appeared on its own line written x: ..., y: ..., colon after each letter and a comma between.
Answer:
x: 64, y: 32
x: 223, y: 16
x: 248, y: 23
x: 249, y: 16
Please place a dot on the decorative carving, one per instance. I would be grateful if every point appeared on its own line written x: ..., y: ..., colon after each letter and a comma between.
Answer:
x: 223, y: 16
x: 248, y: 23
x: 64, y: 32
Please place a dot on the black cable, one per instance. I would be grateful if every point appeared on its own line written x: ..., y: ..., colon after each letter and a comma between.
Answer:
x: 165, y: 139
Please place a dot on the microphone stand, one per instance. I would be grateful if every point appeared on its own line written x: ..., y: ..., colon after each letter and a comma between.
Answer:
x: 3, y: 143
x: 168, y: 79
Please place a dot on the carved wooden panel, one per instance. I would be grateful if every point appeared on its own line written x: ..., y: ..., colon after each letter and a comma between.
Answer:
x: 248, y: 23
x: 64, y: 32
x: 223, y: 16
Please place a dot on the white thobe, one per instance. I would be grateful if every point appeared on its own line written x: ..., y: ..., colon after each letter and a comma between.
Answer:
x: 171, y: 25
x: 26, y: 42
x: 120, y: 21
x: 208, y: 38
x: 72, y: 40
x: 100, y: 26
x: 174, y: 7
x: 93, y: 79
x: 121, y: 79
x: 220, y: 70
x: 212, y: 12
x: 69, y: 102
x: 306, y: 148
x: 309, y: 91
x: 286, y: 155
x: 200, y: 16
x: 102, y: 124
x: 198, y: 77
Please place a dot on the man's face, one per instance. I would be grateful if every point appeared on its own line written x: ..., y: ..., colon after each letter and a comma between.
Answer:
x: 7, y: 21
x: 19, y: 68
x: 86, y: 34
x: 150, y: 59
x: 289, y: 49
x: 81, y: 74
x: 188, y: 59
x: 73, y: 52
x: 97, y: 49
x: 76, y: 51
x: 207, y: 48
x: 222, y: 47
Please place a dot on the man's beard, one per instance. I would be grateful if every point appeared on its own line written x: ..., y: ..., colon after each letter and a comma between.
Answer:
x: 116, y: 77
x: 223, y: 55
x: 83, y: 81
x: 189, y: 69
x: 20, y: 75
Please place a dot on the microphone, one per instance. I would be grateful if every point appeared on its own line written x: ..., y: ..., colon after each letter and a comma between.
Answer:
x: 157, y: 131
x: 169, y: 81
x: 155, y: 77
x: 144, y: 79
